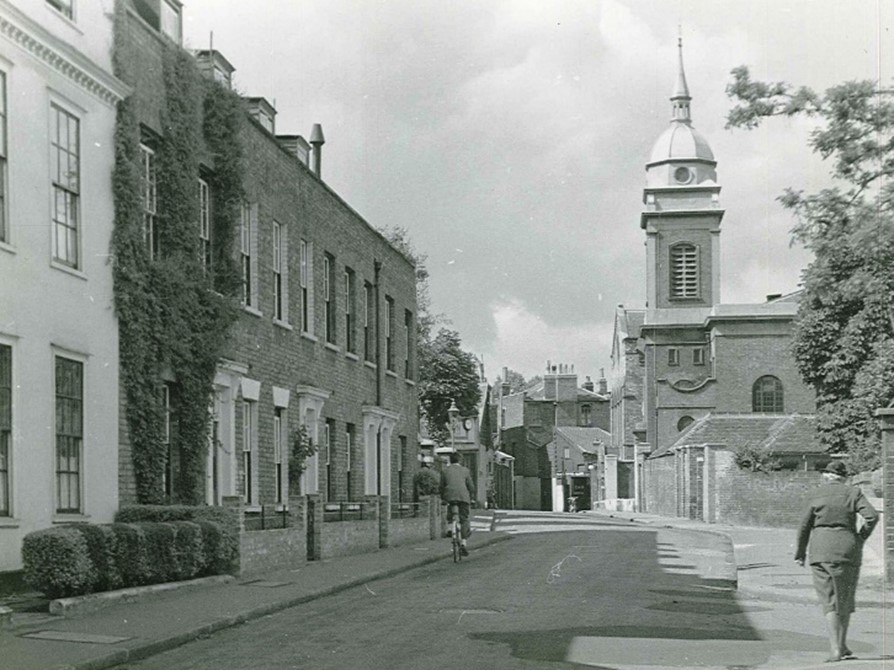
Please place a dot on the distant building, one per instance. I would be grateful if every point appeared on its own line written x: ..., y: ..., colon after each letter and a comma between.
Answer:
x: 58, y: 332
x: 686, y: 356
x: 528, y: 421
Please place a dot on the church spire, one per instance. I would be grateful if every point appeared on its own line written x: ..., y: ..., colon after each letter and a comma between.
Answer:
x: 680, y: 98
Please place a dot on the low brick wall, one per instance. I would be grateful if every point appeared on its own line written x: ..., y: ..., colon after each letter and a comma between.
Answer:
x: 343, y: 538
x: 408, y: 531
x: 774, y: 499
x: 269, y: 550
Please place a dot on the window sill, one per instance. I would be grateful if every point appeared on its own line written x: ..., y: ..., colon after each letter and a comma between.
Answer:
x: 352, y: 357
x: 70, y: 518
x: 308, y: 336
x: 9, y: 522
x: 370, y: 365
x: 332, y: 347
x: 68, y: 270
x: 390, y: 373
x: 254, y: 311
x: 8, y: 248
x: 282, y: 324
x: 409, y: 382
x: 251, y: 508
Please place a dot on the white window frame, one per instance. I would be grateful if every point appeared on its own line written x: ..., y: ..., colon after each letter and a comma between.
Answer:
x: 246, y: 264
x: 278, y: 443
x: 164, y: 21
x: 7, y: 507
x: 4, y: 157
x: 249, y: 438
x: 167, y: 436
x: 305, y: 280
x: 149, y: 196
x: 673, y: 356
x: 205, y: 224
x: 389, y: 333
x: 329, y: 297
x: 78, y: 478
x: 350, y: 325
x: 66, y: 252
x: 277, y: 272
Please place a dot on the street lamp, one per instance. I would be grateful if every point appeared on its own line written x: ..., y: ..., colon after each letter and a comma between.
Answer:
x: 452, y: 413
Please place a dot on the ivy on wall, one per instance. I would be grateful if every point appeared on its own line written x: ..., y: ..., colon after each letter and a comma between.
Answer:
x: 173, y: 316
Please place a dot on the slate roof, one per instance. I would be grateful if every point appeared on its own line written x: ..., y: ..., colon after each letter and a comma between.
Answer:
x: 536, y: 393
x: 780, y: 433
x: 584, y: 436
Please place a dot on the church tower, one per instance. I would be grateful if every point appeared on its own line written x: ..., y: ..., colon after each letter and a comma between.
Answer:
x: 682, y: 212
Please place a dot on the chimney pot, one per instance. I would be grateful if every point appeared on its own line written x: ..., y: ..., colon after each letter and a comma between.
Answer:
x: 317, y: 140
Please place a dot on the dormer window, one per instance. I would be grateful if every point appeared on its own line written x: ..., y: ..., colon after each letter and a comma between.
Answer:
x: 684, y: 271
x: 262, y: 112
x: 163, y: 15
x: 64, y: 7
x: 212, y: 64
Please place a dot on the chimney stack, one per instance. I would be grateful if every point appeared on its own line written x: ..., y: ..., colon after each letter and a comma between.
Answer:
x: 504, y: 384
x: 316, y: 141
x: 588, y: 385
x: 603, y: 383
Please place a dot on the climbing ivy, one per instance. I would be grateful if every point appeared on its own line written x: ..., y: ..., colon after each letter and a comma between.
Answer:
x: 173, y: 316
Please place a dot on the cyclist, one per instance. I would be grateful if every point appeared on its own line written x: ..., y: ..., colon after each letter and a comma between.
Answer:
x: 457, y: 489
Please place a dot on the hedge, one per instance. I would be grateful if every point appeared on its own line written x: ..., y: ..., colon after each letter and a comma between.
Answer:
x: 84, y: 558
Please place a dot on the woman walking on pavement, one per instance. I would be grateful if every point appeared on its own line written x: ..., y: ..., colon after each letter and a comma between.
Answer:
x: 835, y: 550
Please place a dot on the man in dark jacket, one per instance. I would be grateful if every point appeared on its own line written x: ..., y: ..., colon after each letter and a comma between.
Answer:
x: 835, y: 549
x: 457, y: 488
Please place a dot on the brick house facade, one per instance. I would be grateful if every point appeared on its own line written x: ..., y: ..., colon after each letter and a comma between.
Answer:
x: 326, y: 335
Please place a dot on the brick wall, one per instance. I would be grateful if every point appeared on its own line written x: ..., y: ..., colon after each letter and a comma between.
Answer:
x: 267, y: 550
x: 279, y: 187
x: 343, y: 538
x: 659, y: 486
x: 758, y: 498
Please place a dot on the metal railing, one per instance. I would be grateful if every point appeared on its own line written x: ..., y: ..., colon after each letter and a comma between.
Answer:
x: 349, y: 511
x: 269, y: 517
x: 405, y: 510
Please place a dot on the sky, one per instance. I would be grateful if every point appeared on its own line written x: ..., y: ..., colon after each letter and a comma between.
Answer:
x: 509, y: 138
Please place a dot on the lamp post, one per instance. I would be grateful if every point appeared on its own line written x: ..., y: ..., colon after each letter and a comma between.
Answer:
x: 452, y: 413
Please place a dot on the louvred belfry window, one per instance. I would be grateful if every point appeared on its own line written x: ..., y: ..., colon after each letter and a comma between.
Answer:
x: 684, y: 271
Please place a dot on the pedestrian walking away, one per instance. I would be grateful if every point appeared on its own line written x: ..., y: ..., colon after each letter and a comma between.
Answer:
x: 830, y: 538
x: 457, y: 489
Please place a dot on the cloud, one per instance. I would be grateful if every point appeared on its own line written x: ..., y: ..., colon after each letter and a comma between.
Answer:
x: 524, y: 342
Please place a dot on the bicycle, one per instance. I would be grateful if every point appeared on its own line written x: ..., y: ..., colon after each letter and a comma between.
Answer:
x: 456, y: 533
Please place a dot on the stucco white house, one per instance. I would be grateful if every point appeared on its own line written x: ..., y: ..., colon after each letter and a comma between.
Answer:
x: 58, y: 332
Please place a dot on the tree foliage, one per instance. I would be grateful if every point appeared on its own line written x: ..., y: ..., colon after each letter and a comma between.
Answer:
x: 446, y: 374
x: 844, y: 337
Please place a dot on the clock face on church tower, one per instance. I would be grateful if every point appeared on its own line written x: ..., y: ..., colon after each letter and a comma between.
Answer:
x: 683, y: 175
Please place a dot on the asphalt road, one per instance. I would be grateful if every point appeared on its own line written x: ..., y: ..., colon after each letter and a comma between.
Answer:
x: 595, y: 593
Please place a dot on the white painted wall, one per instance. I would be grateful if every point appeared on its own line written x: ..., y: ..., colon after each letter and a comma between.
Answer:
x: 45, y: 309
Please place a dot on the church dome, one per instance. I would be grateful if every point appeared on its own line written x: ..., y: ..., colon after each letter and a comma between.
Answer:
x: 681, y: 142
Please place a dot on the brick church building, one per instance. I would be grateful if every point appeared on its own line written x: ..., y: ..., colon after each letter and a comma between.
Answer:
x: 687, y: 358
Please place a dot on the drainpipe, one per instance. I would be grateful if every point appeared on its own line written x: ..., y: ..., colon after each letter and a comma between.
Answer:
x: 377, y: 266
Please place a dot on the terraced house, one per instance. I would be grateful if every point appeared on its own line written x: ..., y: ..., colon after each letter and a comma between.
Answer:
x: 58, y: 333
x: 304, y: 312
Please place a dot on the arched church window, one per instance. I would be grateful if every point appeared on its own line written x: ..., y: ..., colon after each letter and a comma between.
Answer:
x: 684, y: 423
x: 766, y: 395
x: 684, y: 270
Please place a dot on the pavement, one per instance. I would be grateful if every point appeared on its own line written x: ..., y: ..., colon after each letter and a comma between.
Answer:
x: 130, y: 628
